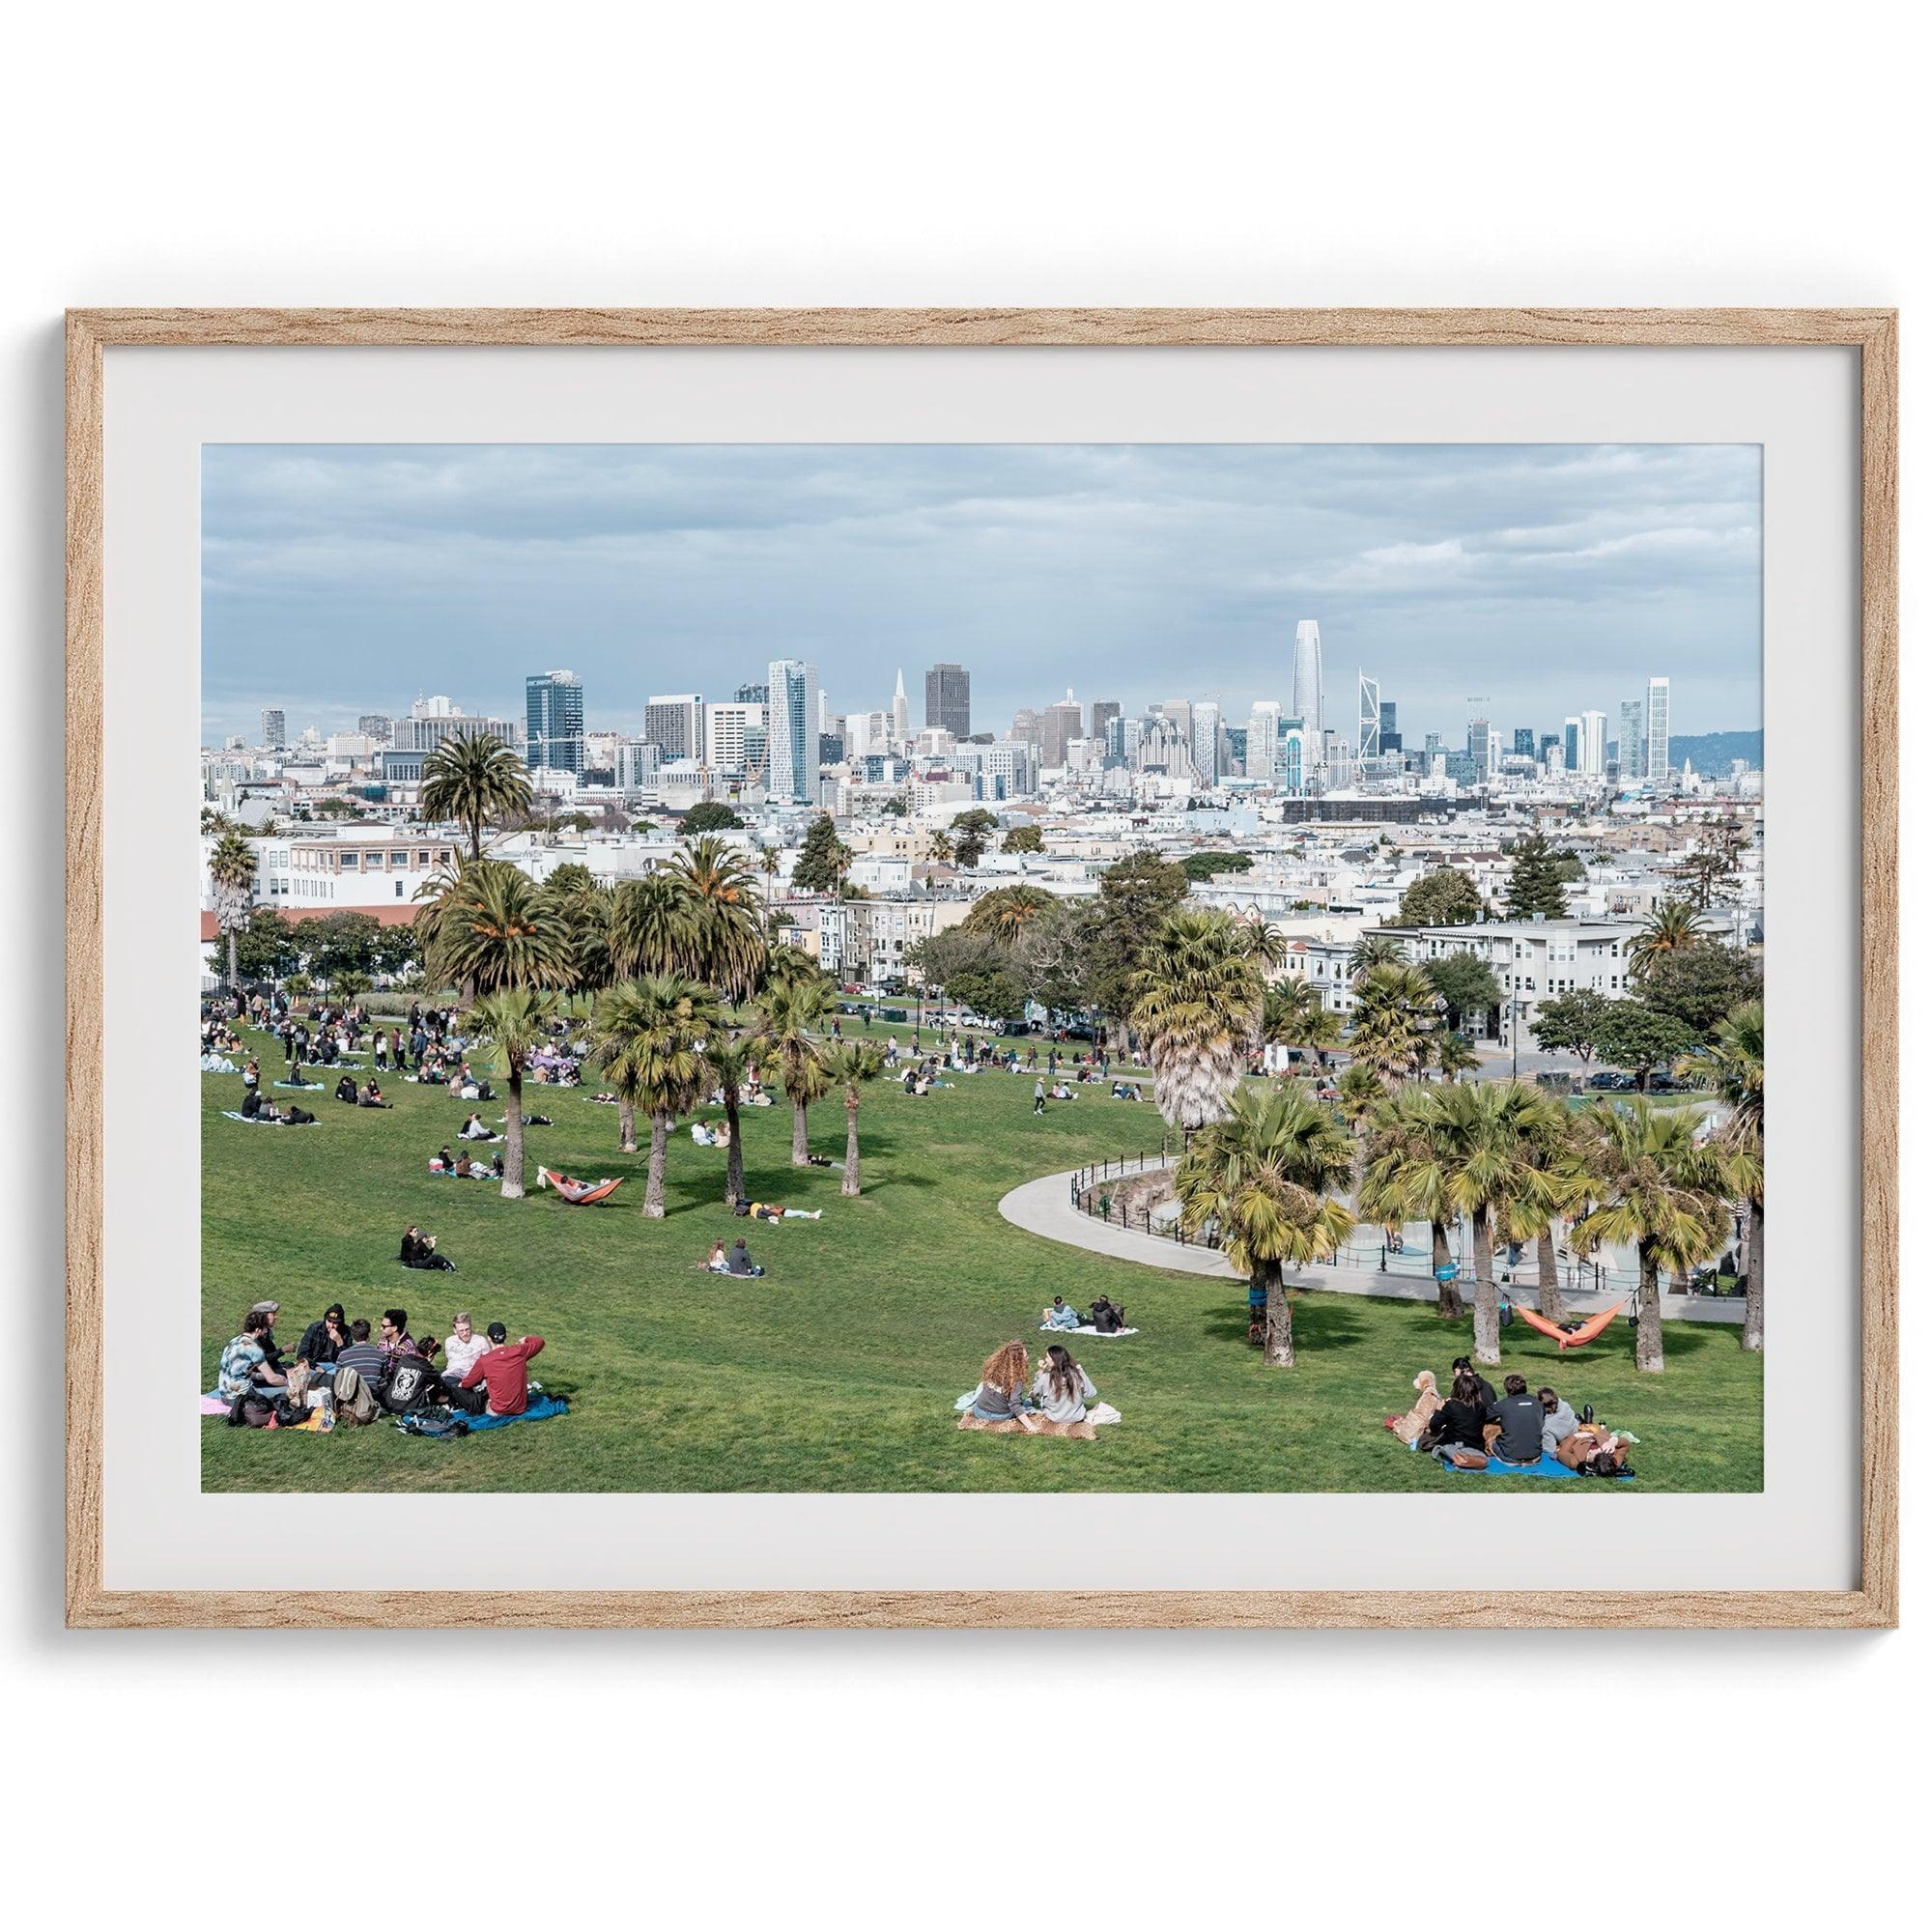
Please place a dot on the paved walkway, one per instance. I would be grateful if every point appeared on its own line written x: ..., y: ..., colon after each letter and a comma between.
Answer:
x: 1045, y: 1207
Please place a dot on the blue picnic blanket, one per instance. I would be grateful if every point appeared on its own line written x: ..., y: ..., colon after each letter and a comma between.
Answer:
x: 1549, y: 1466
x: 258, y: 1121
x: 543, y: 1407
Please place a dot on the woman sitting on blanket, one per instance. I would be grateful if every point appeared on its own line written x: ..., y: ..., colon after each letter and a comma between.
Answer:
x: 1458, y: 1424
x: 1059, y: 1316
x: 1002, y: 1395
x: 1063, y: 1388
x: 473, y: 1130
x: 372, y: 1096
x: 344, y: 1091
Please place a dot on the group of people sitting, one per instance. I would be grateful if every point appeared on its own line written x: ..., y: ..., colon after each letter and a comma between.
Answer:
x: 712, y: 1136
x: 467, y: 1167
x: 737, y: 1259
x: 370, y: 1095
x: 255, y: 1108
x: 343, y: 1372
x: 1014, y: 1398
x: 1105, y: 1317
x: 1472, y: 1426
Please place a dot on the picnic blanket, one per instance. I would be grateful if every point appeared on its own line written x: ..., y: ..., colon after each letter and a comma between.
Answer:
x: 541, y: 1408
x: 1105, y: 1334
x: 1033, y: 1423
x: 212, y: 1403
x: 258, y: 1120
x: 1549, y: 1466
x: 303, y: 1086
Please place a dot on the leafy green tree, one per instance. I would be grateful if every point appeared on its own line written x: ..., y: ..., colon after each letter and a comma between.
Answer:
x: 474, y: 781
x: 792, y: 1018
x: 231, y: 873
x: 896, y: 807
x: 270, y: 948
x: 1709, y: 872
x: 1632, y: 1036
x: 1568, y: 1023
x: 1293, y: 1014
x: 1405, y: 1177
x: 849, y: 1065
x: 1699, y: 985
x: 1442, y: 897
x: 1466, y: 984
x: 571, y: 877
x: 1269, y: 1175
x: 1454, y: 1055
x: 710, y: 815
x: 340, y: 944
x: 1023, y: 838
x: 1198, y: 1006
x: 1534, y: 883
x: 513, y: 1023
x: 1201, y: 867
x: 335, y: 808
x: 973, y: 827
x: 1136, y: 895
x: 823, y: 859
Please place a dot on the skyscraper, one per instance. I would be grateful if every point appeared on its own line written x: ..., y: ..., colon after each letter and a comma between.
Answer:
x: 901, y: 713
x: 1594, y: 751
x: 1479, y: 744
x: 948, y: 700
x: 1629, y: 741
x: 274, y: 730
x: 1263, y: 759
x: 1291, y: 766
x: 1206, y: 743
x: 553, y: 722
x: 1525, y: 741
x: 1060, y: 724
x: 1391, y: 735
x: 1106, y: 711
x: 1026, y: 725
x: 1368, y: 716
x: 792, y: 743
x: 675, y: 724
x: 377, y: 724
x: 1656, y: 748
x: 1307, y: 692
x: 1573, y: 744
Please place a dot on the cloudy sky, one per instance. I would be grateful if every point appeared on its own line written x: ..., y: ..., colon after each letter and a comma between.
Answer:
x: 1523, y: 582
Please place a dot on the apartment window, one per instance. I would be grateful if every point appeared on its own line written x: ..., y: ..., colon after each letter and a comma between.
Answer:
x: 422, y: 862
x: 347, y: 862
x: 399, y: 888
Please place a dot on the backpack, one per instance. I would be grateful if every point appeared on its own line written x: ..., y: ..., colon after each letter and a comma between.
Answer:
x: 410, y: 1385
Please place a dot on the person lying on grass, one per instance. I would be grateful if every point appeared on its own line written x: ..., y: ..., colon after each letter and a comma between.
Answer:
x: 769, y: 1211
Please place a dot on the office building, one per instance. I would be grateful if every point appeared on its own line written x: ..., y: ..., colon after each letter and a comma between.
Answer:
x: 948, y: 700
x: 675, y: 724
x: 1629, y: 741
x: 901, y: 714
x: 1525, y: 742
x: 1573, y: 744
x: 1204, y: 743
x: 1478, y: 746
x: 377, y: 726
x: 553, y: 722
x: 1263, y: 758
x: 753, y: 694
x: 1368, y: 717
x: 1291, y: 772
x: 1392, y: 737
x: 637, y: 768
x: 1657, y: 721
x: 1026, y: 725
x: 1057, y: 727
x: 792, y: 729
x: 1544, y: 745
x: 274, y: 730
x: 730, y: 732
x: 423, y: 731
x: 1593, y: 746
x: 1492, y: 754
x: 1104, y: 712
x: 1307, y: 692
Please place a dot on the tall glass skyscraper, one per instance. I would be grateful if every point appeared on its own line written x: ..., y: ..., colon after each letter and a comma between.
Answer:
x: 553, y: 722
x: 1631, y: 741
x: 793, y: 744
x: 1657, y: 752
x: 948, y: 700
x: 1307, y: 692
x: 1368, y: 716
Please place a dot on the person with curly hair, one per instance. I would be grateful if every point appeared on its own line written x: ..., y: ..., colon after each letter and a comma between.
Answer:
x: 1004, y: 1380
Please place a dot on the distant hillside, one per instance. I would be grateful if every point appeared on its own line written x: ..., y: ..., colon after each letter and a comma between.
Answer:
x: 1712, y: 752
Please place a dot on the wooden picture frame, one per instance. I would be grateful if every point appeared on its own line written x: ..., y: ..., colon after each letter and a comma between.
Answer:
x: 1870, y: 332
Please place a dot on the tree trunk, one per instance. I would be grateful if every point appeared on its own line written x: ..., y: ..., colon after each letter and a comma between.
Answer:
x: 1751, y: 1335
x: 1649, y: 1315
x: 800, y: 1154
x: 1489, y: 1349
x: 654, y: 1177
x: 627, y: 1126
x: 850, y: 1184
x: 1278, y: 1330
x: 233, y: 968
x: 513, y: 1135
x: 734, y: 1154
x: 1448, y: 1296
x: 1548, y: 1303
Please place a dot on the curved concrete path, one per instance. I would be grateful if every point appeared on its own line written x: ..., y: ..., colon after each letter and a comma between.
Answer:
x: 1045, y: 1207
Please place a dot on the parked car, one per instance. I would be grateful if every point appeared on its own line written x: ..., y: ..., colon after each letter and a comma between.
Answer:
x: 1611, y: 1082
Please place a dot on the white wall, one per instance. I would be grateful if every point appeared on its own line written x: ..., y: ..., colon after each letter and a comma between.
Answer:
x: 881, y: 155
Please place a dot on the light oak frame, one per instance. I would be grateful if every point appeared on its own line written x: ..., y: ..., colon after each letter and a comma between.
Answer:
x: 1872, y: 332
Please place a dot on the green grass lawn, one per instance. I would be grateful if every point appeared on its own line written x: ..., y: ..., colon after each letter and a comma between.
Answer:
x: 838, y: 1370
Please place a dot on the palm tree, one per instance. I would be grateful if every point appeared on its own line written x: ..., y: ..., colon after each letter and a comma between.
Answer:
x: 651, y: 926
x: 1266, y: 1173
x: 474, y: 781
x: 1555, y: 1149
x: 654, y: 1032
x: 1008, y: 913
x: 1396, y: 1014
x: 1293, y: 1014
x: 1372, y: 949
x: 1454, y: 1054
x: 939, y: 849
x: 849, y: 1065
x: 1267, y: 943
x: 583, y: 911
x: 1198, y: 1007
x: 515, y: 1021
x: 727, y: 940
x: 1362, y: 1092
x: 1672, y: 927
x: 1488, y: 1131
x: 1732, y: 1066
x: 231, y: 871
x: 1405, y: 1177
x: 732, y: 1058
x: 1655, y: 1187
x: 792, y: 1013
x: 494, y: 929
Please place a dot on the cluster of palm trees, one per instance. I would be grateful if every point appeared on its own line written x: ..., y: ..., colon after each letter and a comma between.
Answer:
x: 685, y: 994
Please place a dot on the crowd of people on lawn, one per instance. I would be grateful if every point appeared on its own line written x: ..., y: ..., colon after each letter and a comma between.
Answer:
x: 1473, y: 1428
x: 344, y: 1372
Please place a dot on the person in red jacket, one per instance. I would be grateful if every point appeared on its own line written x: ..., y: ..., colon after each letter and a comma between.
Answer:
x: 503, y: 1370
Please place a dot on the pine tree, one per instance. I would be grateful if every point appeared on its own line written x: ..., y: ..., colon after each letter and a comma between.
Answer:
x: 823, y: 859
x: 1536, y: 885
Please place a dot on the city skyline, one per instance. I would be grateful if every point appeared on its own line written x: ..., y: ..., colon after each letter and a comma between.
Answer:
x: 1453, y: 578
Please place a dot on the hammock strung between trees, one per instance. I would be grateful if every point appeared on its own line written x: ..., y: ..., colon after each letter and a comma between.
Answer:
x: 1569, y: 1337
x: 578, y: 1193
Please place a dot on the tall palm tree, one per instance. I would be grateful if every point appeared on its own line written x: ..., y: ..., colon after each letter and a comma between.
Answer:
x: 728, y: 938
x: 583, y: 911
x: 939, y: 849
x: 1405, y: 1177
x: 1008, y: 913
x: 1372, y: 948
x: 1454, y: 1054
x: 849, y: 1065
x: 1656, y: 1188
x: 1488, y: 1131
x: 1556, y: 1148
x: 651, y: 926
x: 1672, y: 927
x: 1362, y: 1093
x: 494, y: 929
x: 515, y: 1021
x: 1268, y: 1175
x: 231, y: 871
x: 1732, y: 1066
x: 1197, y: 1005
x: 792, y: 1018
x: 1392, y: 1027
x: 1293, y: 1014
x: 654, y: 1032
x: 732, y: 1058
x: 474, y: 781
x: 1267, y: 943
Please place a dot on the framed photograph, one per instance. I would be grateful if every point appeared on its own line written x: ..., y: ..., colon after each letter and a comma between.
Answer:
x: 1013, y: 968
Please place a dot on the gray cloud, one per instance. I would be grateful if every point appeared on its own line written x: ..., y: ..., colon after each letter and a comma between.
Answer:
x: 1541, y: 580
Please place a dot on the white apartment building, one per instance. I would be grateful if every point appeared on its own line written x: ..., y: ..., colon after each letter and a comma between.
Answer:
x: 348, y: 869
x: 1534, y: 960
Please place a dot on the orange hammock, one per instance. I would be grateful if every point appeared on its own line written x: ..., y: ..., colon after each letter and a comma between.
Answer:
x: 1565, y: 1338
x: 578, y: 1193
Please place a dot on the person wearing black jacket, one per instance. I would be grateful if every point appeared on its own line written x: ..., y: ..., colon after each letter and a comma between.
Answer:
x: 1462, y: 1366
x: 323, y: 1339
x: 1459, y: 1423
x: 1520, y: 1417
x: 344, y: 1091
